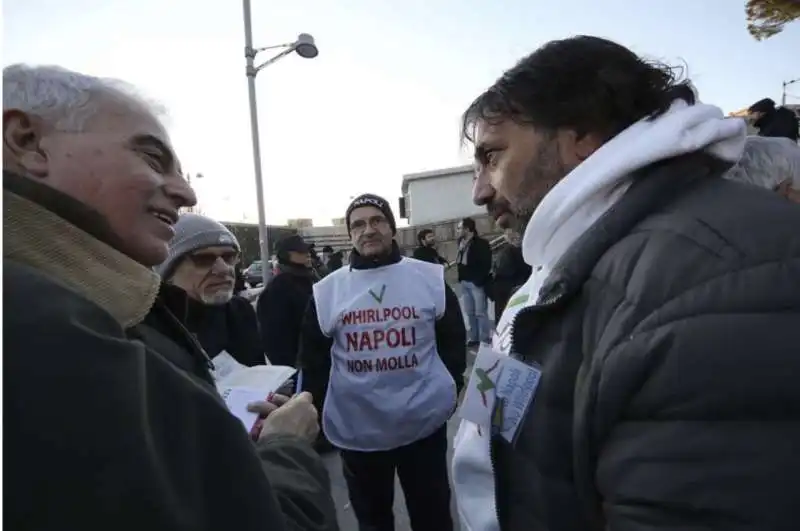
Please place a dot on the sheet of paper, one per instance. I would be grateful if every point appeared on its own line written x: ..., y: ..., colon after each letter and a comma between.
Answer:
x: 224, y: 365
x: 237, y: 398
x: 265, y: 379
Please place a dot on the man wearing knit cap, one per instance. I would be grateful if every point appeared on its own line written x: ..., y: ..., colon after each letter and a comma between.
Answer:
x: 383, y: 344
x: 200, y: 273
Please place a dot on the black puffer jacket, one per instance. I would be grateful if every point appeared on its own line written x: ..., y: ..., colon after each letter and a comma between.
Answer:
x: 281, y: 308
x: 669, y: 343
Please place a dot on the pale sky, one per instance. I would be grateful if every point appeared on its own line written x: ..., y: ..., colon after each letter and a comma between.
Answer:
x: 384, y: 96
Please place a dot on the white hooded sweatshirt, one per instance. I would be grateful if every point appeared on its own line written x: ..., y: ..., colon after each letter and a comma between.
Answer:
x: 567, y: 211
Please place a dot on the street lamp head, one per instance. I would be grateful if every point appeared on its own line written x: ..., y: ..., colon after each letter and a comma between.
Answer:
x: 305, y: 46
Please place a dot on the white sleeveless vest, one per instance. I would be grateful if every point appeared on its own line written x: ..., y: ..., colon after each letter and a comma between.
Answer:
x: 388, y: 386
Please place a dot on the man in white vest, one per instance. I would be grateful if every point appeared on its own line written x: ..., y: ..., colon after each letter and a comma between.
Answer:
x: 383, y: 343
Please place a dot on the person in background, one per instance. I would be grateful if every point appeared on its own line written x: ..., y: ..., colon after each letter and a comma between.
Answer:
x: 774, y: 122
x: 282, y: 304
x: 91, y: 194
x: 510, y: 272
x: 337, y: 260
x: 426, y: 250
x: 200, y: 277
x: 239, y: 284
x: 658, y: 332
x: 474, y: 269
x: 317, y: 266
x: 383, y: 343
x: 331, y: 259
x: 771, y: 163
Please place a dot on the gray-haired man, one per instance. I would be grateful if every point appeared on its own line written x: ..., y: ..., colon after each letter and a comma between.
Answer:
x: 106, y: 428
x: 772, y: 163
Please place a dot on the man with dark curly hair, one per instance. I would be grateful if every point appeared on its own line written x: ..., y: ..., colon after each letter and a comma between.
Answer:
x: 648, y: 367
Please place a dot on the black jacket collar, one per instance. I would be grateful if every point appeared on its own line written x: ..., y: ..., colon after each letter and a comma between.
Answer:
x: 357, y: 261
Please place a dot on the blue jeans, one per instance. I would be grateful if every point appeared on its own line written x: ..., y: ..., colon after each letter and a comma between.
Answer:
x: 474, y: 304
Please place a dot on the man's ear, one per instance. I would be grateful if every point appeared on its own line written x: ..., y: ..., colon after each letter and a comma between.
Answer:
x: 22, y: 150
x: 587, y: 145
x: 576, y: 148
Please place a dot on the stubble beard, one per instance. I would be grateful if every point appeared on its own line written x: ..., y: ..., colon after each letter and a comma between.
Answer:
x: 544, y: 171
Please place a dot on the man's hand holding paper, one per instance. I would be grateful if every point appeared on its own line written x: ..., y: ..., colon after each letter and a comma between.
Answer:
x: 249, y: 392
x: 264, y: 407
x: 296, y: 417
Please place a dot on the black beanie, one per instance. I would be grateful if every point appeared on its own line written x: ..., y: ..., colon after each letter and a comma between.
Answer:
x: 373, y: 201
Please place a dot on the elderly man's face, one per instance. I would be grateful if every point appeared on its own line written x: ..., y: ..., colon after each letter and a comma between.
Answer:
x: 121, y: 164
x: 208, y: 275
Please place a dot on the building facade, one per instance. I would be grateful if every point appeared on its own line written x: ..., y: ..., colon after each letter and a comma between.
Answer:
x: 439, y: 195
x: 335, y: 236
x: 300, y: 223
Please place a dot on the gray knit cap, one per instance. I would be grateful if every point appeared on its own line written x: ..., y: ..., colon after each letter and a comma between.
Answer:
x: 194, y: 232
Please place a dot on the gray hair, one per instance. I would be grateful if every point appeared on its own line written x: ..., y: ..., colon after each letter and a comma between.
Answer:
x: 768, y: 162
x: 65, y: 99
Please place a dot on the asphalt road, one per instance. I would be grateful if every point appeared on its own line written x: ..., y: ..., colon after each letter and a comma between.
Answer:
x: 347, y: 520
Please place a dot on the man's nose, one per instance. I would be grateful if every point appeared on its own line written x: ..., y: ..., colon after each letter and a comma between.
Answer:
x: 221, y: 267
x: 482, y: 191
x: 180, y: 192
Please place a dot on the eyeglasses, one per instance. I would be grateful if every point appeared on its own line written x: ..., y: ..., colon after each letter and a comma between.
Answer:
x: 359, y: 225
x: 206, y: 260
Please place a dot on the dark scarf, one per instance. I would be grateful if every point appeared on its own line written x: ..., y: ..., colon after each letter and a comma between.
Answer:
x: 358, y: 261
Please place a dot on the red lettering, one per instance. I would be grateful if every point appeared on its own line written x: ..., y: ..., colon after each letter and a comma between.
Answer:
x: 352, y: 341
x: 380, y: 315
x: 392, y: 338
x: 379, y: 336
x: 366, y: 342
x: 376, y: 339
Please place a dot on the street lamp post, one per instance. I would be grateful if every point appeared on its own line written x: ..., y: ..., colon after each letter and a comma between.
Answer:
x: 786, y: 84
x: 305, y: 47
x: 189, y: 181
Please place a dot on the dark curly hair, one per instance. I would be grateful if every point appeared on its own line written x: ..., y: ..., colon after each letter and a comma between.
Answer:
x: 583, y: 83
x: 421, y: 235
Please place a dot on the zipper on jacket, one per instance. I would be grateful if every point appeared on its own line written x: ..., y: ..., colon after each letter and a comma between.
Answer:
x: 554, y: 296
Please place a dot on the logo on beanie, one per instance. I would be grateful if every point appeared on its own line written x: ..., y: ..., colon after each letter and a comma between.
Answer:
x: 224, y: 238
x: 369, y: 201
